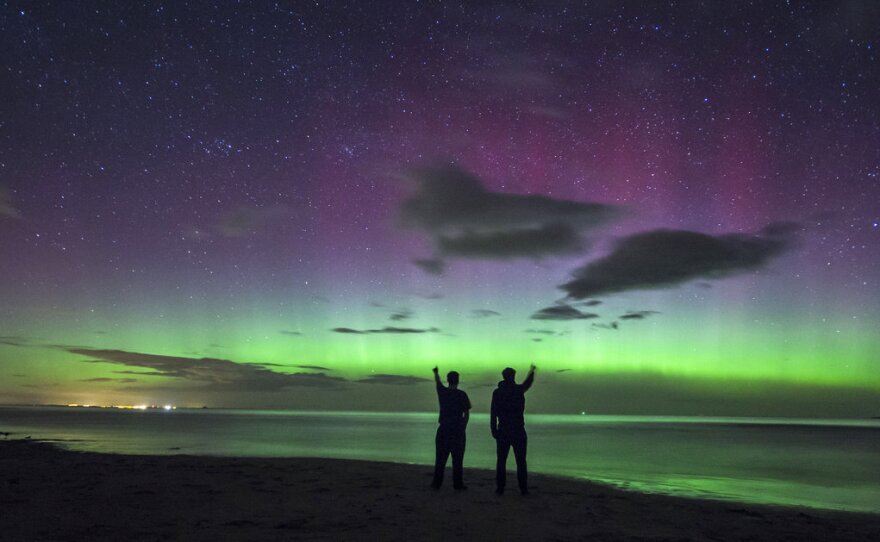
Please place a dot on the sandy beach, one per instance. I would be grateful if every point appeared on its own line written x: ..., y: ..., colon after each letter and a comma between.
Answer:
x: 51, y: 494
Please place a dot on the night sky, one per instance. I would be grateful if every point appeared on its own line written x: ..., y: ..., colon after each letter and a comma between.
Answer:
x: 670, y: 208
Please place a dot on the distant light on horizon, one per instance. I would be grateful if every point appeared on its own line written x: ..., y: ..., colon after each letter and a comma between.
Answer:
x: 124, y: 407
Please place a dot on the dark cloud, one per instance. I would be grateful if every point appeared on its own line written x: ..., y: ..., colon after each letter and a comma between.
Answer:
x: 313, y: 367
x: 637, y: 315
x: 210, y: 373
x: 432, y: 296
x: 282, y: 365
x: 105, y: 379
x: 537, y: 340
x: 543, y: 332
x: 484, y: 313
x: 590, y: 303
x: 386, y: 329
x: 399, y: 315
x: 544, y: 239
x: 434, y: 266
x: 664, y: 258
x: 396, y: 380
x: 562, y: 312
x: 139, y: 373
x: 292, y: 333
x: 548, y: 332
x: 562, y: 370
x: 612, y: 325
x: 466, y: 220
x: 15, y: 340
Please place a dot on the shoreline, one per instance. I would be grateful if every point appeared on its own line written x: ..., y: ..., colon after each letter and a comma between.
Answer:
x: 48, y: 493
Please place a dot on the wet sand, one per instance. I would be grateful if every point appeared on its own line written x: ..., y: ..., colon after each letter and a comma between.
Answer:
x: 50, y: 494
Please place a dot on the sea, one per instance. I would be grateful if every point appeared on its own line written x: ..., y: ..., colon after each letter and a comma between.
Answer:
x: 827, y: 464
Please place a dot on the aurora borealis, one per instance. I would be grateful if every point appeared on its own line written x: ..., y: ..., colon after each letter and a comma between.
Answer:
x: 669, y: 208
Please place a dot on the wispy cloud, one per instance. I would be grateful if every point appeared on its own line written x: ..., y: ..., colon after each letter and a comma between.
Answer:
x: 15, y: 340
x: 246, y: 220
x: 548, y: 332
x: 105, y: 379
x: 430, y: 296
x: 396, y: 380
x: 538, y: 240
x: 284, y: 366
x: 7, y: 209
x: 433, y: 266
x: 138, y: 373
x: 209, y: 373
x: 484, y: 313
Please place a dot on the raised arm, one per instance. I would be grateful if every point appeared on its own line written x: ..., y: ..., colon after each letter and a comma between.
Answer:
x: 530, y: 379
x: 493, y: 418
x: 437, y: 379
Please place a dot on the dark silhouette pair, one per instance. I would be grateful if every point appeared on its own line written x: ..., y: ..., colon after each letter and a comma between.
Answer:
x: 506, y: 423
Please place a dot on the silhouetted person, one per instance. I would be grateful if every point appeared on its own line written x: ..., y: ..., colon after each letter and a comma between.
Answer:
x: 508, y: 427
x: 455, y: 409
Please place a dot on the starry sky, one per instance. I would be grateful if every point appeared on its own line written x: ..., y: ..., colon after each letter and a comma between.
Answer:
x: 668, y: 207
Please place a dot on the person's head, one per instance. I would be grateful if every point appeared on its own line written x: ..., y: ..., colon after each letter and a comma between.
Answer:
x: 452, y: 378
x: 508, y: 374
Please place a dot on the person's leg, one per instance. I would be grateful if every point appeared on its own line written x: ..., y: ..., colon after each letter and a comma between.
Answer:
x: 502, y: 448
x: 442, y: 449
x: 458, y: 462
x: 519, y: 453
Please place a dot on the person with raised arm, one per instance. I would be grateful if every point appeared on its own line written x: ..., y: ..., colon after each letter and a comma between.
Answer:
x: 455, y: 409
x: 508, y: 427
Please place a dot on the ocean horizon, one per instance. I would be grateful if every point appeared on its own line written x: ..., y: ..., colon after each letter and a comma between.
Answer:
x: 819, y: 463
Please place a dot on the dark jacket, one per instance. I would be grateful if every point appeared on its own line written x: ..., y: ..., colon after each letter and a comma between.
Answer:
x: 508, y: 406
x: 454, y: 407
